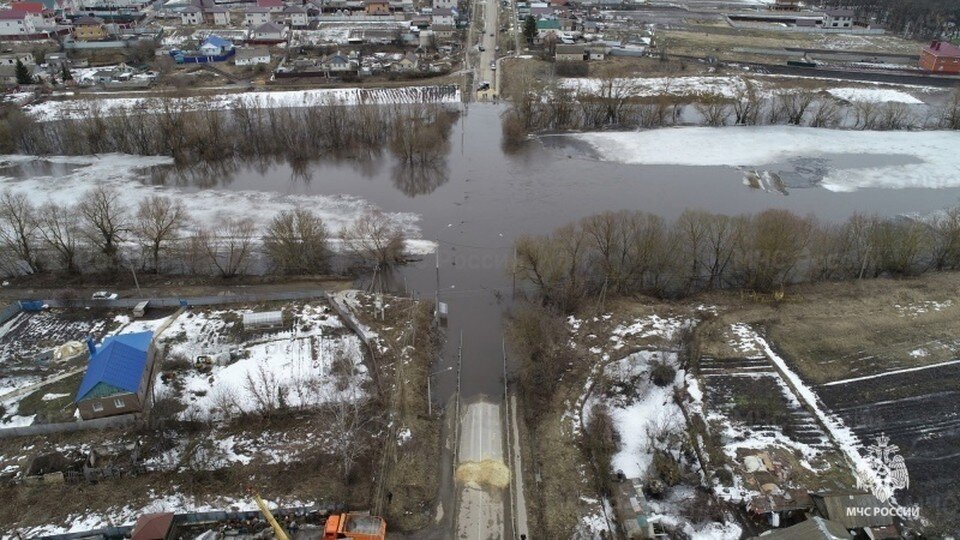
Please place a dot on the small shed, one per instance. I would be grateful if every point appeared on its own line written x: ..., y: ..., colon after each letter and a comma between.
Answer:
x: 264, y: 320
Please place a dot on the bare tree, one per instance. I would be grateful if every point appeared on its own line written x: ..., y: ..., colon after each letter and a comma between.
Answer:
x: 746, y: 104
x: 376, y: 239
x: 950, y: 113
x: 159, y: 221
x: 715, y: 110
x: 795, y: 105
x: 348, y: 420
x: 827, y: 113
x: 229, y: 247
x: 105, y: 220
x: 296, y: 242
x: 60, y: 230
x: 18, y: 228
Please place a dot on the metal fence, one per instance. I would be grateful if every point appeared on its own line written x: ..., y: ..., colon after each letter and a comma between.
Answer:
x: 108, y: 422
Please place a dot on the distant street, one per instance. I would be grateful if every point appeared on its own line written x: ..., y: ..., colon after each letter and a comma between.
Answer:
x: 488, y: 40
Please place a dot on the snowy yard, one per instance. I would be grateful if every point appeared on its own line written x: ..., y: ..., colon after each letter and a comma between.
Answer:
x: 313, y: 362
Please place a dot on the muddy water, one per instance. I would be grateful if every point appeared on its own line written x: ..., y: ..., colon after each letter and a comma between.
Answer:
x: 477, y: 201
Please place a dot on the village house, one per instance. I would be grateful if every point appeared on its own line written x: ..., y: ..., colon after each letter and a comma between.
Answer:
x: 376, y: 7
x: 940, y: 57
x: 274, y: 6
x: 251, y: 56
x: 11, y: 59
x: 118, y: 377
x: 256, y: 16
x: 838, y: 18
x: 215, y: 46
x: 26, y: 19
x: 295, y: 17
x: 444, y: 4
x: 570, y: 53
x: 442, y: 17
x: 89, y: 29
x: 219, y: 15
x: 268, y: 33
x: 191, y: 16
x: 444, y: 31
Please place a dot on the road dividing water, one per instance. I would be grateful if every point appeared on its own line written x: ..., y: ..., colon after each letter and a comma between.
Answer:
x: 482, y: 476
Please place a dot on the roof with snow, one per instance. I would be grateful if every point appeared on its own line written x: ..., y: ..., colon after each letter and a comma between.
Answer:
x: 116, y: 366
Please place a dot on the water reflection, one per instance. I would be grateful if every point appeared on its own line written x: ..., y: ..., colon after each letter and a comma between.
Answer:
x: 413, y: 179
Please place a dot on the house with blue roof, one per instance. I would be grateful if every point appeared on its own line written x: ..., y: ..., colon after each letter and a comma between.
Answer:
x: 118, y: 376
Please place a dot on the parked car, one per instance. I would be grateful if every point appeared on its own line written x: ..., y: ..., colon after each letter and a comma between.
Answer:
x: 104, y: 295
x: 493, y: 65
x: 483, y: 86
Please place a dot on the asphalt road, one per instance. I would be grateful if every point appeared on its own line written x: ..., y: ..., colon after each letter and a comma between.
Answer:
x: 480, y: 515
x: 488, y: 39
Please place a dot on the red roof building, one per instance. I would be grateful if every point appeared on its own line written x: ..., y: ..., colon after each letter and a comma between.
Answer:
x: 28, y: 7
x: 941, y: 57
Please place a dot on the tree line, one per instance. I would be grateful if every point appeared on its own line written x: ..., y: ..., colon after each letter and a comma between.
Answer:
x: 922, y: 19
x: 629, y: 252
x: 190, y: 132
x: 618, y: 103
x: 100, y: 233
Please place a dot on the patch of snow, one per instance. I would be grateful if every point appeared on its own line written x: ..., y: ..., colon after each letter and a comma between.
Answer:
x: 873, y: 95
x: 52, y: 397
x: 749, y: 146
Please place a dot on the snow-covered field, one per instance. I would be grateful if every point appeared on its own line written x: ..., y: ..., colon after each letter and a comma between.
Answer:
x: 53, y: 110
x: 297, y: 362
x: 209, y: 206
x: 730, y: 86
x: 758, y: 146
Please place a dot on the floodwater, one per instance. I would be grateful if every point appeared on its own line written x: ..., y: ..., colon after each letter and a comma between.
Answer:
x: 480, y: 199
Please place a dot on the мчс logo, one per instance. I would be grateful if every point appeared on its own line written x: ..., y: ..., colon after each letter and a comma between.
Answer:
x: 890, y: 467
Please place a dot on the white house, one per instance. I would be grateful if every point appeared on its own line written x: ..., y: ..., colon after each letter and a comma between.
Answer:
x: 838, y: 18
x: 268, y: 32
x: 296, y: 16
x: 22, y: 22
x: 444, y: 4
x: 251, y: 56
x: 10, y: 59
x: 442, y: 17
x: 256, y: 16
x: 221, y: 15
x: 191, y: 16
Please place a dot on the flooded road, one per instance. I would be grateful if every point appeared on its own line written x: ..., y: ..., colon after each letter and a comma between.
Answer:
x: 480, y: 198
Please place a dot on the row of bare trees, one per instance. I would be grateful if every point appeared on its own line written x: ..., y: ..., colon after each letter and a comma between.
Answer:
x: 619, y: 103
x: 630, y: 252
x: 101, y: 233
x: 192, y: 131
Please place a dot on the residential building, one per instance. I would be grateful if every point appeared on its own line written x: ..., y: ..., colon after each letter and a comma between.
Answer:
x: 215, y: 45
x: 8, y: 73
x: 219, y: 15
x: 191, y: 16
x: 26, y: 19
x: 444, y: 4
x: 786, y: 5
x: 11, y: 59
x: 251, y: 56
x: 940, y: 57
x: 859, y: 512
x: 376, y: 7
x: 338, y: 63
x: 444, y: 31
x: 570, y: 53
x: 275, y: 6
x: 268, y: 33
x: 118, y: 377
x: 89, y: 29
x: 257, y: 16
x: 838, y: 18
x: 815, y: 528
x: 442, y: 17
x: 296, y: 17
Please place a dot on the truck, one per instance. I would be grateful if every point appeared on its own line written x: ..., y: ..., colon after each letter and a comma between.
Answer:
x: 355, y: 527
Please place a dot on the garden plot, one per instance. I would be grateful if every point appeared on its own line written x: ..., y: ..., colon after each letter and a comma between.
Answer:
x: 313, y: 361
x: 637, y: 389
x: 756, y: 417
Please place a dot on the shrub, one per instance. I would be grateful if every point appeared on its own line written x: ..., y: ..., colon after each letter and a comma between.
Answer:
x: 662, y: 374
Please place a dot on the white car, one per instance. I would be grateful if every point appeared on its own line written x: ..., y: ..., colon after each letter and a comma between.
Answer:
x: 104, y: 295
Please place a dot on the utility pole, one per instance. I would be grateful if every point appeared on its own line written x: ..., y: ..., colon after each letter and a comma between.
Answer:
x: 514, y: 272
